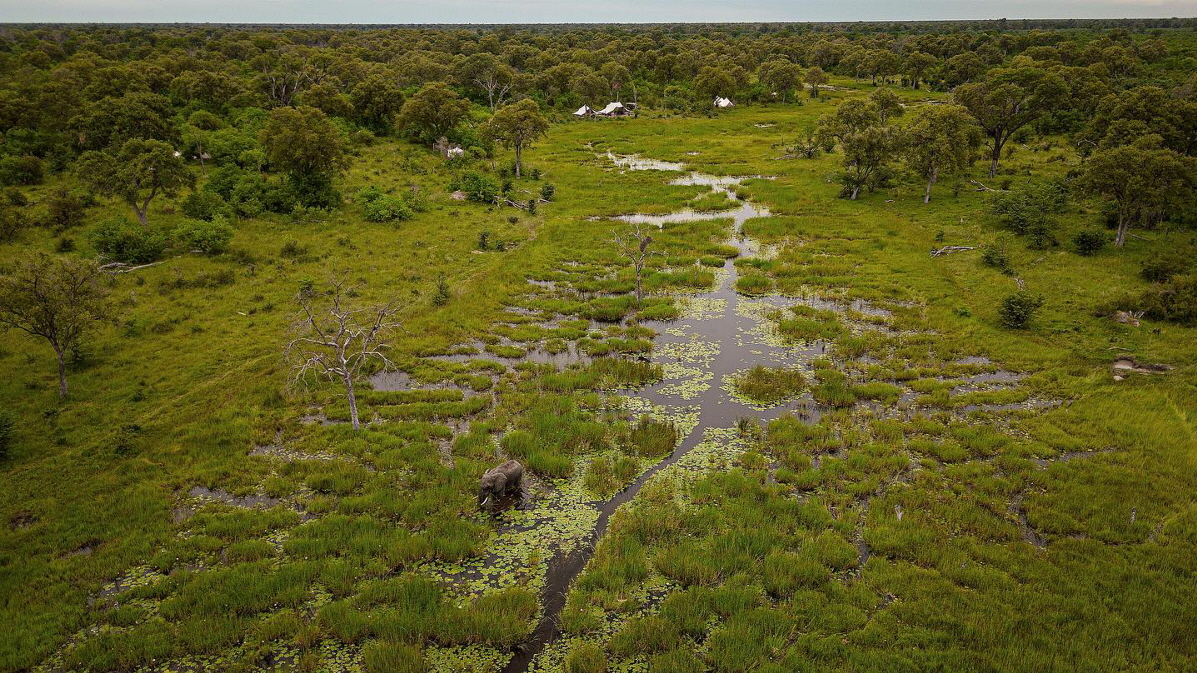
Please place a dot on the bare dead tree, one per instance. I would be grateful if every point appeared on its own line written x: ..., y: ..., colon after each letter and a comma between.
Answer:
x: 633, y: 245
x: 336, y: 341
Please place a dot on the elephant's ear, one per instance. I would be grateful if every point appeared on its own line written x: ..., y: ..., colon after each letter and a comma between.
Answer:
x: 500, y: 482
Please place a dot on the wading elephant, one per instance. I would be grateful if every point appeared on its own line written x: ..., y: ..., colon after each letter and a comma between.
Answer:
x: 499, y: 481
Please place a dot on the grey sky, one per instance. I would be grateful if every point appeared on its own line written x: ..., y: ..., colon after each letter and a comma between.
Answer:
x: 571, y: 11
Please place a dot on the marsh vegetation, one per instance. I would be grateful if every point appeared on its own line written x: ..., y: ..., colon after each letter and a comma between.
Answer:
x: 759, y: 426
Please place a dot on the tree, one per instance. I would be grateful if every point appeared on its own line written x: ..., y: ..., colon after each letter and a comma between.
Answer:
x: 517, y: 126
x: 58, y: 299
x: 1009, y: 100
x: 815, y: 78
x: 888, y: 104
x: 780, y: 76
x: 489, y: 75
x: 140, y: 170
x: 633, y: 245
x: 713, y: 81
x: 305, y: 145
x: 1143, y: 179
x: 918, y: 63
x: 867, y: 142
x: 336, y: 341
x: 432, y: 112
x: 376, y: 100
x: 940, y: 139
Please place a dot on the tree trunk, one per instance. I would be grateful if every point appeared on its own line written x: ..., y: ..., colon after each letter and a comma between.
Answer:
x: 855, y: 192
x: 62, y: 383
x: 930, y: 181
x: 1123, y: 225
x: 997, y: 154
x: 639, y: 287
x: 518, y: 159
x: 352, y: 403
x: 141, y: 213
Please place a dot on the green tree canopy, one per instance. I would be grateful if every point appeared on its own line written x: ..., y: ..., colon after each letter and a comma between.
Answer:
x: 940, y: 139
x: 432, y: 112
x: 139, y: 171
x: 1008, y: 100
x: 517, y: 126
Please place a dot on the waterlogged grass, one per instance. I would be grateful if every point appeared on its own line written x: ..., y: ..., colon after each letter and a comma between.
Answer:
x: 769, y: 385
x: 1051, y: 538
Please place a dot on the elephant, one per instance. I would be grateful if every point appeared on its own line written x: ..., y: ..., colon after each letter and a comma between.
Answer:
x: 500, y: 481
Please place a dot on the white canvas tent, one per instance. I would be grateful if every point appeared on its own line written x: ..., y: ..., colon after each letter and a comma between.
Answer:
x: 613, y: 110
x: 584, y: 111
x: 720, y: 101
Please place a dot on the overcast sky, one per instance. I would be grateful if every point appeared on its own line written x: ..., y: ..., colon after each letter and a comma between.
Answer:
x: 572, y: 11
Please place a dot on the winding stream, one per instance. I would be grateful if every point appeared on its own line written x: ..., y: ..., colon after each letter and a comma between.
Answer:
x: 719, y: 334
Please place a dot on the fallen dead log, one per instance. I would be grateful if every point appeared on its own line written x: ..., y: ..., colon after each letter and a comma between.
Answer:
x: 949, y: 249
x: 121, y: 267
x: 983, y: 188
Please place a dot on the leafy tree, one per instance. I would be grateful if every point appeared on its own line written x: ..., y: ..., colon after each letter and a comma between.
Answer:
x: 815, y: 78
x: 139, y: 171
x: 867, y: 142
x: 1148, y: 110
x: 962, y: 68
x: 1143, y: 179
x: 517, y: 126
x: 940, y: 139
x: 780, y: 76
x: 888, y: 104
x: 1018, y: 309
x: 376, y: 101
x: 57, y: 299
x: 1009, y: 100
x: 432, y: 112
x: 112, y: 121
x: 713, y: 81
x: 918, y: 63
x: 302, y: 143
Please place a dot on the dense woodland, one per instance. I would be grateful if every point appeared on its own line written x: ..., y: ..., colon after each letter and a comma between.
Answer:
x: 156, y: 179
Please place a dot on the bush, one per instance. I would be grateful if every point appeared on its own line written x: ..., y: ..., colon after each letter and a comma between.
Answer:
x: 1018, y: 309
x: 209, y: 238
x: 64, y: 209
x: 205, y: 205
x: 12, y: 221
x: 386, y: 209
x: 21, y: 171
x: 7, y: 428
x: 125, y: 241
x: 547, y: 191
x: 1163, y: 266
x: 477, y: 187
x: 1089, y: 242
x: 1173, y: 301
x: 997, y: 255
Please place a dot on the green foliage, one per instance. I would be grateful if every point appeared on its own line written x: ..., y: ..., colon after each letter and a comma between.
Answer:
x: 121, y: 240
x: 1026, y: 211
x: 209, y: 237
x: 1017, y: 310
x: 1089, y: 242
x: 477, y: 187
x: 21, y: 171
x: 1162, y: 267
x: 205, y: 204
x: 7, y: 430
x: 380, y: 207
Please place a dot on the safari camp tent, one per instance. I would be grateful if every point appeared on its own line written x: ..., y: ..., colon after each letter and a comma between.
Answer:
x: 720, y: 101
x: 584, y: 111
x: 615, y: 109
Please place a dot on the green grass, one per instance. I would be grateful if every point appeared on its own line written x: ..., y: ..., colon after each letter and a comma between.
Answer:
x: 769, y: 384
x: 757, y: 564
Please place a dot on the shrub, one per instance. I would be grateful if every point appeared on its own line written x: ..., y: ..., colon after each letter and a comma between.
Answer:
x: 547, y: 190
x: 997, y: 255
x: 477, y: 187
x: 12, y: 221
x: 124, y: 241
x: 1173, y: 301
x: 64, y: 209
x: 7, y: 428
x: 209, y: 238
x: 1018, y: 309
x: 205, y: 205
x: 21, y: 171
x: 386, y: 209
x: 1163, y: 266
x: 1089, y: 242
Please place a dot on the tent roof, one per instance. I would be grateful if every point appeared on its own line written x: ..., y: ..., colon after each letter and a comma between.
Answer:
x: 583, y: 110
x: 611, y: 107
